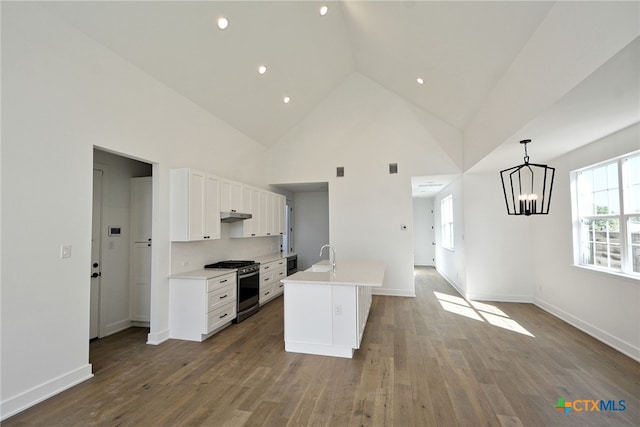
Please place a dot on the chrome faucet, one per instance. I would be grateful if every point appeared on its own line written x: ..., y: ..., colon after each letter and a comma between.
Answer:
x: 332, y: 259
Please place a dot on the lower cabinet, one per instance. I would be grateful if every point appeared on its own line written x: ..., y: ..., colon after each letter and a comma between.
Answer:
x: 199, y: 307
x: 271, y: 275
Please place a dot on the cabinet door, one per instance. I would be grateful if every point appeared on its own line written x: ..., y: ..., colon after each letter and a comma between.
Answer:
x: 140, y: 285
x: 141, y: 197
x: 271, y: 229
x: 281, y: 209
x: 197, y: 205
x: 262, y: 213
x: 212, y: 211
x: 230, y: 196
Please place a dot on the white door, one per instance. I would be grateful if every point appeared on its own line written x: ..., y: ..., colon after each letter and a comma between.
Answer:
x: 94, y: 309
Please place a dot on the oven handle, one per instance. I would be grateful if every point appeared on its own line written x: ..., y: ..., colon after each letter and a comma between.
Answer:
x: 244, y: 276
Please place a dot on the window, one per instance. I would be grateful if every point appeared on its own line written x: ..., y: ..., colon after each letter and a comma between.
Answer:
x: 446, y: 221
x: 606, y: 204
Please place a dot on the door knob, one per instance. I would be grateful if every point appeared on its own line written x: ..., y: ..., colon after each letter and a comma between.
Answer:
x: 94, y: 275
x: 95, y: 265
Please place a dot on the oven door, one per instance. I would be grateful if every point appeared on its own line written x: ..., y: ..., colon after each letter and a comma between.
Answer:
x: 248, y: 291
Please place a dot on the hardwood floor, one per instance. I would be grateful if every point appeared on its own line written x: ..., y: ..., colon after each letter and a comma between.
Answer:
x: 432, y: 360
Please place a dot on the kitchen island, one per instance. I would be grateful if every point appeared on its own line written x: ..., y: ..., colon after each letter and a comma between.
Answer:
x: 325, y: 312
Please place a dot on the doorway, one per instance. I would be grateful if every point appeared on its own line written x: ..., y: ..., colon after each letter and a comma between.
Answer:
x: 119, y: 299
x: 96, y: 243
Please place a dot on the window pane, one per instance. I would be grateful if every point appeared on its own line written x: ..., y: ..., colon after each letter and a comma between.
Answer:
x: 603, y: 243
x: 600, y: 178
x: 632, y: 200
x: 614, y: 201
x: 601, y: 201
x: 633, y: 227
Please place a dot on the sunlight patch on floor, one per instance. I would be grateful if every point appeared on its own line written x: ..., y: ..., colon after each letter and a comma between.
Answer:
x: 480, y: 311
x: 458, y: 309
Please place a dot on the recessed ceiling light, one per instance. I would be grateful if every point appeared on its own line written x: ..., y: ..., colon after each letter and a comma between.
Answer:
x: 420, y: 81
x: 262, y: 69
x: 223, y: 22
x: 286, y: 99
x: 324, y: 10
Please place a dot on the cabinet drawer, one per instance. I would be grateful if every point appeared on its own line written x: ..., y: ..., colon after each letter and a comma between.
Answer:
x: 266, y: 279
x: 279, y: 274
x: 220, y: 316
x: 266, y: 293
x: 273, y: 265
x: 221, y: 296
x: 218, y: 282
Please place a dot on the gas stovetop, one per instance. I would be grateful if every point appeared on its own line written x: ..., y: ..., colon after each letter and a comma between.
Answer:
x: 230, y: 264
x: 243, y: 267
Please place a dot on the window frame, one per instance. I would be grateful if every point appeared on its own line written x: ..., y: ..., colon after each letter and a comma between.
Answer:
x: 446, y: 223
x: 623, y: 216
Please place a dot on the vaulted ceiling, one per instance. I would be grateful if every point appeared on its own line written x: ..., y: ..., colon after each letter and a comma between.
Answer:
x: 466, y: 53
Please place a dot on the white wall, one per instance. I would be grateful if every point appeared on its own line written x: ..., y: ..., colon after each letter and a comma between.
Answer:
x: 363, y: 127
x: 603, y: 305
x: 451, y: 263
x: 424, y: 252
x: 63, y: 94
x: 116, y: 250
x: 311, y: 226
x: 499, y: 265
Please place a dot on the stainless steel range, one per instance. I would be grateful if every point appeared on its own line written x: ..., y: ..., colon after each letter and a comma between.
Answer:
x: 248, y: 286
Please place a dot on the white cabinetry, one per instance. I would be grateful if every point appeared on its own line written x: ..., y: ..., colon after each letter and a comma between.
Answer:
x: 140, y: 268
x: 195, y: 205
x: 231, y: 196
x: 268, y: 214
x: 271, y: 275
x: 199, y: 307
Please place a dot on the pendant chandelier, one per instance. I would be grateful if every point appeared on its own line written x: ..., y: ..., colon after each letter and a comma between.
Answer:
x: 527, y: 187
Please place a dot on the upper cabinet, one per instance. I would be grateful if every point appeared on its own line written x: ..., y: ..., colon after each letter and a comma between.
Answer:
x: 267, y: 210
x: 231, y: 196
x: 197, y: 198
x: 195, y: 205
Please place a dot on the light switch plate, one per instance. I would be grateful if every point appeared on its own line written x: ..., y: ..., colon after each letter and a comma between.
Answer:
x: 65, y: 251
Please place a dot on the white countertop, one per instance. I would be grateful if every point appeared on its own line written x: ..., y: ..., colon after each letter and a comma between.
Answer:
x: 203, y: 274
x: 355, y: 273
x: 263, y: 259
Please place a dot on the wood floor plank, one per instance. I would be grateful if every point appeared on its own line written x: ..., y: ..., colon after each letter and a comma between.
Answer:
x: 421, y: 363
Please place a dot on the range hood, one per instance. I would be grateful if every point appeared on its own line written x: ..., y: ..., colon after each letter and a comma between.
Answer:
x: 234, y: 216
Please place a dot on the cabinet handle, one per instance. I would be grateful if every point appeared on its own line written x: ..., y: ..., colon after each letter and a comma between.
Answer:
x: 224, y: 315
x: 223, y: 297
x: 223, y: 281
x: 268, y: 234
x: 266, y: 293
x: 266, y: 279
x: 253, y: 234
x: 266, y: 267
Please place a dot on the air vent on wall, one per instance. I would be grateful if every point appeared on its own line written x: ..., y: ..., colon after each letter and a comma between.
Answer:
x: 393, y: 168
x: 340, y: 171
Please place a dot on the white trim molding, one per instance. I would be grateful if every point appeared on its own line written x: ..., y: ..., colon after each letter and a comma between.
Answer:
x: 39, y: 393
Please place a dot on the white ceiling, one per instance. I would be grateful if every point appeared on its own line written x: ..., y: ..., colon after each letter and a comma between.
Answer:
x: 461, y: 50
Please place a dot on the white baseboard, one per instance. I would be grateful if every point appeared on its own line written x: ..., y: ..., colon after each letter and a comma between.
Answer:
x: 37, y: 394
x: 451, y: 282
x: 612, y: 341
x: 393, y: 292
x: 499, y: 298
x: 158, y: 337
x: 116, y: 327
